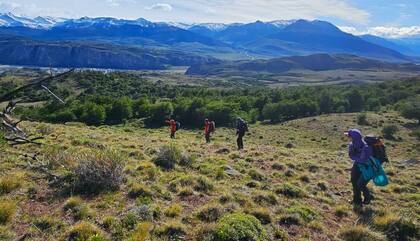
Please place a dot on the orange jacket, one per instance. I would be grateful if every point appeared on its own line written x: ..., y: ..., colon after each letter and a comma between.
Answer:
x: 172, y: 124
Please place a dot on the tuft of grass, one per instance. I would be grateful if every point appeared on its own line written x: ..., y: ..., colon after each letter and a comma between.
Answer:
x: 98, y: 171
x: 167, y: 157
x: 10, y: 182
x: 210, y: 213
x: 172, y: 229
x: 78, y: 209
x: 45, y: 222
x: 72, y: 203
x: 7, y: 211
x: 360, y: 233
x: 290, y: 190
x: 174, y: 210
x: 139, y: 190
x: 262, y: 214
x: 263, y: 198
x: 389, y: 131
x: 256, y: 175
x: 141, y: 233
x: 341, y: 211
x: 203, y: 184
x: 396, y: 228
x: 84, y: 231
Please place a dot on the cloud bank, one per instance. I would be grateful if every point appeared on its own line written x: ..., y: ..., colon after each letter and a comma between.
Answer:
x: 387, y: 32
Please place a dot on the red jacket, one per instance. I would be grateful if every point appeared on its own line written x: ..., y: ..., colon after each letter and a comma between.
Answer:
x: 172, y: 124
x: 206, y: 127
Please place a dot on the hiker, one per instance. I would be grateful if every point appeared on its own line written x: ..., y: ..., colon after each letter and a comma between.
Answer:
x: 209, y: 127
x: 360, y: 153
x: 173, y: 125
x: 241, y: 129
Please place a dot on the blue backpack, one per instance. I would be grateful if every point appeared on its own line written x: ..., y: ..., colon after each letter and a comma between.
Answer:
x: 373, y: 170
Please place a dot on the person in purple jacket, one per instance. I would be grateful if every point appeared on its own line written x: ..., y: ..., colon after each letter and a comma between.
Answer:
x: 359, y: 152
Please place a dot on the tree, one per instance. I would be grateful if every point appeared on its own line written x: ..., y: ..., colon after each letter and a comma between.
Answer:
x: 121, y: 110
x: 411, y: 110
x: 93, y: 114
x: 141, y: 108
x: 356, y: 101
x: 159, y: 112
x: 326, y: 103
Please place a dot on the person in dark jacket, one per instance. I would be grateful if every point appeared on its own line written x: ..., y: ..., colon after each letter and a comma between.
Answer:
x: 241, y: 129
x: 359, y: 153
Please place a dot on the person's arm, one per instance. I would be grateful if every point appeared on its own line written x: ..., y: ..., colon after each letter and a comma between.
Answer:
x: 354, y: 156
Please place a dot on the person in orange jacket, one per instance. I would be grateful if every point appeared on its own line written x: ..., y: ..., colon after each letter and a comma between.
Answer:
x: 172, y: 125
x: 207, y: 130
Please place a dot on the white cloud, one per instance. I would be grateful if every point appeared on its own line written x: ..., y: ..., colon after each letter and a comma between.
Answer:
x: 386, y: 32
x: 160, y: 7
x: 395, y: 32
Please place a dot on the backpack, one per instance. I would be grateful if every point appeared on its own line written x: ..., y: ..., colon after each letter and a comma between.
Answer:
x: 178, y: 125
x: 378, y: 148
x: 212, y: 126
x: 243, y: 126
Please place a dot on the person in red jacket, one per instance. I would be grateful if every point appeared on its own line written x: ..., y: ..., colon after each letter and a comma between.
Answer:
x: 207, y: 130
x: 172, y: 125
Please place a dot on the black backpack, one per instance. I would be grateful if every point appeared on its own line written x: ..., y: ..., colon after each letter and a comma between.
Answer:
x: 378, y: 148
x: 178, y: 125
x: 243, y: 126
x: 212, y: 126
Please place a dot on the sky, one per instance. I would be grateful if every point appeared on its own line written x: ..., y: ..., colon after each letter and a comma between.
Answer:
x: 388, y: 18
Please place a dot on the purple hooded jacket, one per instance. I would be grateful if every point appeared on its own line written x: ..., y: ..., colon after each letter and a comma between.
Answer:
x: 359, y: 151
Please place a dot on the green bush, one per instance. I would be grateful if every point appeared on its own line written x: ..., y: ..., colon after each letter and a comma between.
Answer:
x: 98, y: 171
x: 168, y: 157
x: 362, y: 119
x: 159, y: 112
x: 121, y: 110
x: 411, y: 110
x: 389, y: 131
x: 93, y: 114
x: 239, y: 227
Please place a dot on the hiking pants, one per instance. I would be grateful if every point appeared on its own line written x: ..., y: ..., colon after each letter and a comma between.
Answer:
x: 359, y: 185
x: 207, y: 135
x: 240, y: 141
x: 173, y: 134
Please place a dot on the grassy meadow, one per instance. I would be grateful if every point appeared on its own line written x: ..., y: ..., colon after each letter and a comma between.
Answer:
x: 127, y: 182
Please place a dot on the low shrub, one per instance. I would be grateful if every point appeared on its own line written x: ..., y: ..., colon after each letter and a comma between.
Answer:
x: 307, y: 213
x: 7, y: 211
x: 98, y: 171
x: 360, y: 233
x: 362, y: 119
x: 389, y: 131
x: 168, y: 157
x: 141, y: 233
x: 264, y: 198
x: 239, y: 226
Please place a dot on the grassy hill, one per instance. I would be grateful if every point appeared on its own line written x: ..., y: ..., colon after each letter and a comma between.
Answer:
x: 298, y: 193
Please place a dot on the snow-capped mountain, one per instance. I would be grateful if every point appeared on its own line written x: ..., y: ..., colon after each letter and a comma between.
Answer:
x: 11, y: 20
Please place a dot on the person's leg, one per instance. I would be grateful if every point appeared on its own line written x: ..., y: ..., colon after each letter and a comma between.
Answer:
x: 241, y: 141
x: 357, y: 192
x: 208, y: 138
x: 365, y: 190
x: 172, y: 134
x: 238, y: 142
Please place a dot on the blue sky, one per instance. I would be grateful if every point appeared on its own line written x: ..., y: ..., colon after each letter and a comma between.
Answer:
x: 352, y: 15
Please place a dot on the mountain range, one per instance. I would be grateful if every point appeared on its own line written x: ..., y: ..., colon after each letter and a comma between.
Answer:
x: 315, y: 62
x: 133, y: 40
